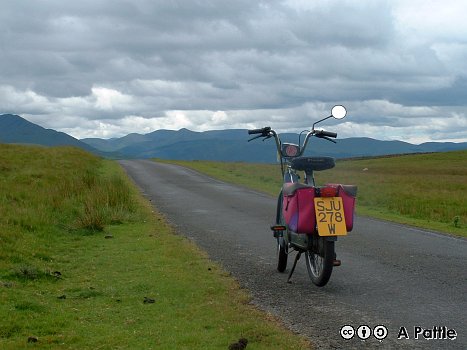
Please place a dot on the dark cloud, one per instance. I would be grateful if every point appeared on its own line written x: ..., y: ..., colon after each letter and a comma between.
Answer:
x: 180, y: 62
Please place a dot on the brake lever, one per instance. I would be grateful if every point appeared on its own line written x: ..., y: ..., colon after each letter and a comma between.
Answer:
x: 255, y: 137
x: 326, y: 138
x: 329, y: 139
x: 267, y: 137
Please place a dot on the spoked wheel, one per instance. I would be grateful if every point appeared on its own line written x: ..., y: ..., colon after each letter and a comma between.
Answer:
x: 320, y: 261
x: 282, y: 254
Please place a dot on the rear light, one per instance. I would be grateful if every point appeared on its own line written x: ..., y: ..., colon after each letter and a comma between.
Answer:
x: 328, y: 192
x: 278, y: 228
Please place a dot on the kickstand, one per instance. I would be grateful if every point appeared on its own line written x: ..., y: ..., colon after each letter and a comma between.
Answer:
x: 297, y: 257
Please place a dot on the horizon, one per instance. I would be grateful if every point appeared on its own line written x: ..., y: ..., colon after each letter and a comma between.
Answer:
x: 228, y: 129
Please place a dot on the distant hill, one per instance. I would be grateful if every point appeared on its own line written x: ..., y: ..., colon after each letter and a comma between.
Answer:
x: 232, y: 145
x: 221, y: 145
x: 14, y: 129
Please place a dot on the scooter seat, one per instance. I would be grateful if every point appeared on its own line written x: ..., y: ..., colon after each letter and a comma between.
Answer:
x: 310, y: 164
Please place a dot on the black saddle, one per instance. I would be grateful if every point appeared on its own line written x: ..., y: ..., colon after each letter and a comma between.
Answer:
x: 310, y: 164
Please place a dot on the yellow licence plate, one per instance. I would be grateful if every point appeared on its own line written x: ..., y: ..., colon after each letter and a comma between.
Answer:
x: 330, y: 216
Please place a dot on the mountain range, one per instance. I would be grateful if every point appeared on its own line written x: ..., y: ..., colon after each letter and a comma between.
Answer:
x: 221, y: 145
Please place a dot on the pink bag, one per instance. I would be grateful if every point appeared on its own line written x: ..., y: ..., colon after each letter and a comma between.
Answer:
x: 298, y: 207
x: 348, y: 194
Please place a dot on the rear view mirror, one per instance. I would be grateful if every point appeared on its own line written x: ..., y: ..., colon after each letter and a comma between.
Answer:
x: 338, y: 112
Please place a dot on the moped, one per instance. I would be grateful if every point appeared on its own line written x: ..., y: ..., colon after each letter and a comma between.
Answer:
x: 309, y: 218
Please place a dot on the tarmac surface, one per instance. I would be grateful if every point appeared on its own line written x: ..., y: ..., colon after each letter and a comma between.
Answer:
x: 410, y: 281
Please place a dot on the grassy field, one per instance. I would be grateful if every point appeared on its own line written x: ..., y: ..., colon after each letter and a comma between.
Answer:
x: 85, y: 263
x: 424, y: 190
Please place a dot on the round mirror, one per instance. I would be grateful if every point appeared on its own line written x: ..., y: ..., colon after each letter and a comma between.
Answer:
x: 338, y: 112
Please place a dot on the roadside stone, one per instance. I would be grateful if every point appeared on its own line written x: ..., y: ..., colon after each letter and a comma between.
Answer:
x: 32, y: 339
x: 149, y: 300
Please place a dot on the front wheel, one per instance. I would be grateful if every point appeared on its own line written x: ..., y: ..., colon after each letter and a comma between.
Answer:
x: 320, y: 261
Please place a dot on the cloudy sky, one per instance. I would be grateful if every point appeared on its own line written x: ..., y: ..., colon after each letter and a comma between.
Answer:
x: 106, y: 68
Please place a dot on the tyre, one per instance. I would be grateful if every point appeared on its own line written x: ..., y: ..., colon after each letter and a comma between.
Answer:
x: 282, y: 254
x: 320, y: 261
x: 282, y: 249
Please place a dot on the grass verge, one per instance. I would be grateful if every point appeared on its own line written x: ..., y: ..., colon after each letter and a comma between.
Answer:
x: 424, y: 190
x: 85, y: 263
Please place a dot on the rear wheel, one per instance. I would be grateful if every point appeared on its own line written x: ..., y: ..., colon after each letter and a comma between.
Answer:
x: 282, y: 249
x: 320, y: 261
x: 282, y: 254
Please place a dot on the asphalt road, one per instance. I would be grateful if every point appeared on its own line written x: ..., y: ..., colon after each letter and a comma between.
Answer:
x: 391, y: 275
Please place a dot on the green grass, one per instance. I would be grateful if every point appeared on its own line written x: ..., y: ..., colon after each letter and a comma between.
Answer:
x: 80, y: 250
x: 425, y: 190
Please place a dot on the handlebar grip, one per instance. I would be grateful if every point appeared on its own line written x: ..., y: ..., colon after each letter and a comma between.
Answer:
x: 326, y: 133
x: 255, y: 131
x: 259, y: 131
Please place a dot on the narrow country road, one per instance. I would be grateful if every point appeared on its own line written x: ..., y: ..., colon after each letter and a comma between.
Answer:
x: 391, y: 275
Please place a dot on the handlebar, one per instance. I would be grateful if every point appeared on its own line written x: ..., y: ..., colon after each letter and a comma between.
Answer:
x: 320, y: 133
x: 267, y: 132
x: 264, y: 131
x: 337, y: 112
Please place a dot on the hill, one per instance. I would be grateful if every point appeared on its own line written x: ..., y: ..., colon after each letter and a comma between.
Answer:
x: 232, y: 145
x: 220, y: 145
x: 14, y: 129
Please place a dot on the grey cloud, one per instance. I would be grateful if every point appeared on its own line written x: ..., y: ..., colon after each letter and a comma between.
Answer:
x: 242, y: 57
x: 353, y: 25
